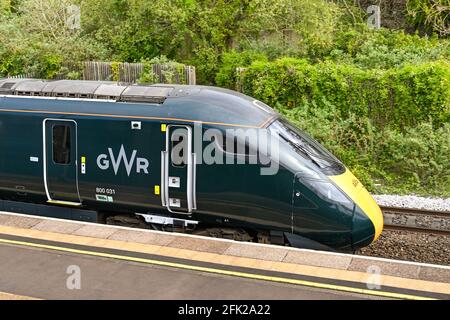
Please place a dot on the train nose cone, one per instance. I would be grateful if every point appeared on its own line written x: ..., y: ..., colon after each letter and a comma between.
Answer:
x: 366, y: 227
x: 368, y: 218
x: 372, y: 212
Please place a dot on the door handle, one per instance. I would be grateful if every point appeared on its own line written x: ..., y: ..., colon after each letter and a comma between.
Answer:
x: 194, y: 181
x: 163, y: 179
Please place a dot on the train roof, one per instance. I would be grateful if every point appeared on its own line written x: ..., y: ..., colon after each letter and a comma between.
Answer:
x: 210, y: 105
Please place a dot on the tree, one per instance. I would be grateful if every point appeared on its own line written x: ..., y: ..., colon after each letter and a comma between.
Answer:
x: 41, y: 36
x: 433, y: 15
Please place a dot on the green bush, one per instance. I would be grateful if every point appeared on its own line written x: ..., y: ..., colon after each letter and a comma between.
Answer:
x: 386, y: 161
x: 5, y: 6
x: 27, y: 55
x: 385, y: 49
x: 199, y: 32
x: 400, y: 97
x: 389, y: 126
x: 227, y: 76
x: 416, y: 160
x: 35, y: 39
x: 432, y: 15
x: 172, y: 71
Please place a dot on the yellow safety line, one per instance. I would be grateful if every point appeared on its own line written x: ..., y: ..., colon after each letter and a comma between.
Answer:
x: 66, y: 203
x: 11, y: 296
x: 221, y: 271
x: 237, y: 261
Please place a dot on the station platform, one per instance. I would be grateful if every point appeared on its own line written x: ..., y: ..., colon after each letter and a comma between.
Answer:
x: 37, y: 256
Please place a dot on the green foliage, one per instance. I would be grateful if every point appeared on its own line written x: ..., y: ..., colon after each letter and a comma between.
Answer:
x: 386, y: 161
x: 227, y: 76
x: 36, y: 41
x: 115, y: 71
x: 5, y: 6
x: 379, y: 99
x: 384, y: 48
x: 135, y: 29
x: 292, y: 27
x: 432, y: 15
x: 417, y: 159
x: 400, y: 97
x: 48, y: 67
x: 198, y: 32
x: 171, y: 71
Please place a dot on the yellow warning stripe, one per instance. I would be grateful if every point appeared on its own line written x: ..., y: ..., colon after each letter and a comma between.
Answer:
x: 221, y: 271
x: 11, y: 296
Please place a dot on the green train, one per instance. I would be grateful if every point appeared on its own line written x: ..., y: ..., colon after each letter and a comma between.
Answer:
x: 176, y: 158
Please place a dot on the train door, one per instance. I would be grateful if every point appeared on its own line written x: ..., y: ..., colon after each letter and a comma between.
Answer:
x: 60, y: 161
x: 178, y: 174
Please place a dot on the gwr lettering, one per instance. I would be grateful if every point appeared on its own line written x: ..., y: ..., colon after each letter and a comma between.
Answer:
x: 103, y: 161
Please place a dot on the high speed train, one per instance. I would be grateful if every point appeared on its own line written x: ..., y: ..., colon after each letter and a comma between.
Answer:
x: 134, y: 155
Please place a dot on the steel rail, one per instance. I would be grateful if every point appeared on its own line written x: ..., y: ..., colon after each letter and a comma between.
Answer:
x: 416, y: 220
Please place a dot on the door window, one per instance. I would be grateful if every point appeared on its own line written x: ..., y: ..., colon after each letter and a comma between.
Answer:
x: 61, y: 144
x: 179, y: 150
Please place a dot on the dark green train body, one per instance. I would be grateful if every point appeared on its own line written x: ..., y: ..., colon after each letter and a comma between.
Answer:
x: 111, y: 149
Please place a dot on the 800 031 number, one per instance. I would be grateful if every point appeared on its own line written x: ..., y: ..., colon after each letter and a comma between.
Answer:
x: 105, y: 191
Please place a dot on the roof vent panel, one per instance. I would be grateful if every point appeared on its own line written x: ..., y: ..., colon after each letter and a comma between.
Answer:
x: 29, y: 87
x: 146, y: 94
x: 109, y: 91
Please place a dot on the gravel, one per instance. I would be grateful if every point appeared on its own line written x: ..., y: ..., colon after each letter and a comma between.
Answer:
x: 407, y: 245
x: 413, y: 202
x: 411, y: 246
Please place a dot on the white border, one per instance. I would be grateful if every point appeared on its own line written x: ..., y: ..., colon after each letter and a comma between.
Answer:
x: 44, y: 156
x: 190, y: 165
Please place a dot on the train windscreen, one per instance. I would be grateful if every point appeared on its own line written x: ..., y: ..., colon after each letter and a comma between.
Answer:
x: 307, y: 147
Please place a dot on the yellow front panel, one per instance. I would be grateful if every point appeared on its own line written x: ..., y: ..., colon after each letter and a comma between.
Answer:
x: 358, y: 193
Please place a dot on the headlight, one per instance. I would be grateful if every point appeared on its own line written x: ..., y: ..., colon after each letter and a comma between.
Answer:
x: 327, y: 191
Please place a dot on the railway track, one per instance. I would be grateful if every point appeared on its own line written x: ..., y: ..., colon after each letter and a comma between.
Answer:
x: 416, y: 220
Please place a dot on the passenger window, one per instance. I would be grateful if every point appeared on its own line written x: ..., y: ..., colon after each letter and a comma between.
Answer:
x: 61, y: 144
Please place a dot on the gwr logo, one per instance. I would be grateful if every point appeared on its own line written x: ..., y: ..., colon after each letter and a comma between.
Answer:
x: 103, y: 161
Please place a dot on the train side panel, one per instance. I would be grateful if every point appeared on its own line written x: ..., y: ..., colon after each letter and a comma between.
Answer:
x: 118, y: 169
x: 21, y: 170
x: 121, y: 164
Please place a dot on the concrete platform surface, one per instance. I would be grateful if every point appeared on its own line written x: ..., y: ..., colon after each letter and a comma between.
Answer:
x: 337, y: 273
x: 30, y: 273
